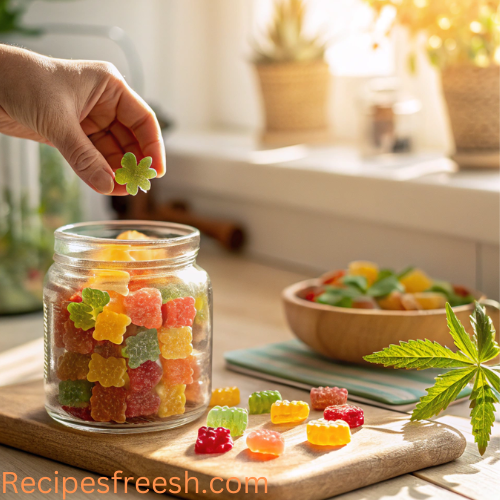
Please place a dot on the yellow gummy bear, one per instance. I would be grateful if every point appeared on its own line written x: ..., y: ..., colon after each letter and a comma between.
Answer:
x: 110, y: 281
x: 328, y: 432
x: 115, y: 253
x: 111, y: 326
x: 173, y: 400
x: 288, y: 412
x: 225, y: 396
x: 363, y: 268
x: 109, y: 372
x: 175, y: 343
x: 416, y: 281
x: 143, y: 254
x: 430, y: 300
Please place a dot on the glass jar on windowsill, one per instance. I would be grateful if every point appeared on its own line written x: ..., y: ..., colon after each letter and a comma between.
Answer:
x: 128, y: 330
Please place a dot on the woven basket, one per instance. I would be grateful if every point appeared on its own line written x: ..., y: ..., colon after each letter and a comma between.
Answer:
x: 472, y: 97
x: 295, y: 99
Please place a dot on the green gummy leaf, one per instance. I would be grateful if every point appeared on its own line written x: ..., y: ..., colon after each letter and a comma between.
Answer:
x: 445, y: 391
x: 357, y: 282
x: 460, y: 336
x: 385, y: 286
x: 83, y: 314
x: 484, y: 334
x: 419, y: 354
x: 135, y: 175
x: 483, y: 410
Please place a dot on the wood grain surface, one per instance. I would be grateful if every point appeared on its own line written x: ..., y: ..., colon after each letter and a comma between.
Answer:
x: 388, y: 445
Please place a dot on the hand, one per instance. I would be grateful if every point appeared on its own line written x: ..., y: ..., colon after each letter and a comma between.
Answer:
x: 83, y: 108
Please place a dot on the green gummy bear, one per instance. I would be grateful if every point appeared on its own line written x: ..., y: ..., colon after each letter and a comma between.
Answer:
x: 135, y: 175
x: 141, y: 348
x: 75, y: 393
x: 175, y: 291
x: 234, y: 419
x: 83, y: 314
x: 261, y: 402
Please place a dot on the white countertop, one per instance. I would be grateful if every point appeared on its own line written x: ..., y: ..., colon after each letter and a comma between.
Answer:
x: 401, y: 191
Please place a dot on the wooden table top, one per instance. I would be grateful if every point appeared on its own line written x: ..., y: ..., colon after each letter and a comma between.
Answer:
x: 248, y: 312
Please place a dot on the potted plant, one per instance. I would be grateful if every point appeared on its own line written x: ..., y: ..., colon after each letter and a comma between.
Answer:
x: 294, y: 78
x: 462, y: 39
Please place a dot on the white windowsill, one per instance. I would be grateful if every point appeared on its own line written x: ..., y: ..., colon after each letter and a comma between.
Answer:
x: 335, y: 180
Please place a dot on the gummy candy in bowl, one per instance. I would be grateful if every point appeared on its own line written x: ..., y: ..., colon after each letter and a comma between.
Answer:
x: 119, y: 309
x: 349, y: 332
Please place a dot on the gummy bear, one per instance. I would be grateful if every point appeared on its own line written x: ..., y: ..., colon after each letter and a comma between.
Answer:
x: 351, y: 414
x: 110, y: 281
x: 362, y: 268
x: 60, y: 315
x: 107, y: 349
x: 142, y: 347
x: 212, y: 440
x: 145, y: 377
x: 111, y: 326
x: 328, y: 433
x: 178, y: 312
x: 289, y: 412
x: 73, y: 366
x: 144, y: 307
x: 78, y: 340
x: 261, y: 402
x: 321, y: 397
x: 116, y: 303
x: 142, y: 404
x: 175, y: 291
x: 225, y: 396
x: 107, y: 371
x: 74, y: 392
x: 108, y: 403
x: 416, y: 281
x: 177, y: 371
x: 175, y: 343
x: 132, y: 235
x: 173, y: 400
x: 81, y: 413
x: 201, y: 306
x: 195, y: 392
x: 234, y: 419
x: 115, y: 253
x: 430, y: 300
x: 266, y: 441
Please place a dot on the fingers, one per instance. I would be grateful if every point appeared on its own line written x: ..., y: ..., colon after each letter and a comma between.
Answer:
x: 137, y: 116
x: 87, y: 162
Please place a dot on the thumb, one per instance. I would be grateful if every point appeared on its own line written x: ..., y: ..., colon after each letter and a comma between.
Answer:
x: 87, y: 162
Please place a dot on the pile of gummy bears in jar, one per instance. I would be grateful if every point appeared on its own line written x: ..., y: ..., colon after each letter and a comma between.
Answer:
x: 128, y: 354
x: 225, y: 421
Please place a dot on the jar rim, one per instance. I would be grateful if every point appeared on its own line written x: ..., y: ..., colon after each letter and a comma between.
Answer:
x: 82, y: 244
x: 67, y: 232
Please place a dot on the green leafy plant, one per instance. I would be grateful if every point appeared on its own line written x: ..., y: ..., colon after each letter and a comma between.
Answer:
x: 285, y: 39
x: 84, y: 314
x: 456, y: 32
x: 466, y: 365
x: 135, y: 175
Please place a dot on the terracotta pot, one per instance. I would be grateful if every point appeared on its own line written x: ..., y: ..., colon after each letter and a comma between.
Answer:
x: 295, y: 100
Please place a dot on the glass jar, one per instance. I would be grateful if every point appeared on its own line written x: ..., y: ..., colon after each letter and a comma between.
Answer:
x: 128, y: 327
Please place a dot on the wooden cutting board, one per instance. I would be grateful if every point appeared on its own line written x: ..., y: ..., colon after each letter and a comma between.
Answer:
x: 388, y: 445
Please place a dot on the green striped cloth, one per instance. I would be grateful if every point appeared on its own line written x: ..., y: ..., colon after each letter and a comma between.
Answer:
x: 293, y: 363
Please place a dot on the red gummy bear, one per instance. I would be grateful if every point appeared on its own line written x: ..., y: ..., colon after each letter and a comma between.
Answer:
x: 60, y: 316
x: 144, y: 307
x: 77, y: 340
x: 82, y: 413
x: 351, y: 414
x: 107, y: 349
x: 145, y: 377
x: 142, y: 404
x: 178, y: 312
x: 212, y: 440
x: 321, y: 397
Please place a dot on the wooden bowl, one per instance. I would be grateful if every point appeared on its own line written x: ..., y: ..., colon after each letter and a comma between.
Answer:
x: 349, y: 334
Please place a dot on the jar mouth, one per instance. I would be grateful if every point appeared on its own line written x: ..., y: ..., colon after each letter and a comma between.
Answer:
x: 158, y: 244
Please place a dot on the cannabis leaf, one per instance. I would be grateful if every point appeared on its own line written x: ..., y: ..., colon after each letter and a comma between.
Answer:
x: 465, y: 365
x: 135, y: 175
x: 83, y: 314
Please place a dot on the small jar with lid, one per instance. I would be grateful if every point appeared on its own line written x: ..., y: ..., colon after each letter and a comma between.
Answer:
x: 128, y: 327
